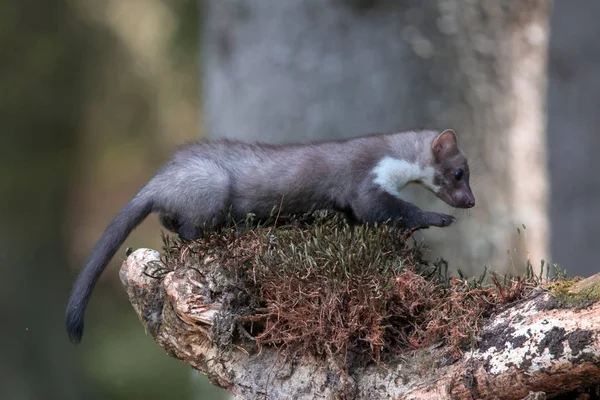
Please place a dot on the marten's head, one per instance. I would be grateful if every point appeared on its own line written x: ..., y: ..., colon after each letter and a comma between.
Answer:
x: 430, y: 159
x: 451, y: 172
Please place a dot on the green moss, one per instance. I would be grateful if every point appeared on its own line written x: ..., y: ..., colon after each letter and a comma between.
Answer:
x: 315, y: 284
x: 576, y: 292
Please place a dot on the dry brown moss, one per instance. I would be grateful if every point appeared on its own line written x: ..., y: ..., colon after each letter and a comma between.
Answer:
x: 323, y: 287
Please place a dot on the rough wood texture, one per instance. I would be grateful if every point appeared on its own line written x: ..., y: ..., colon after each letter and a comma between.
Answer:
x: 534, y: 346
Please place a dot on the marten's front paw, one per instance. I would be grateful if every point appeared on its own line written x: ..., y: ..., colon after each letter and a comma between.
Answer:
x: 442, y: 220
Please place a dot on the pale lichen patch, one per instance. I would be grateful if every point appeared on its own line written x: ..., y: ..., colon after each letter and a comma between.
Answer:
x: 536, y: 340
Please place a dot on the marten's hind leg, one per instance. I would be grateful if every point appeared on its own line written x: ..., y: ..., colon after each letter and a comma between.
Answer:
x: 194, y: 202
x: 189, y: 232
x: 169, y: 222
x: 186, y: 231
x: 206, y: 207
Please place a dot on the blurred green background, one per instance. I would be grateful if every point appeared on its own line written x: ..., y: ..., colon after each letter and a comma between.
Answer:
x: 94, y: 95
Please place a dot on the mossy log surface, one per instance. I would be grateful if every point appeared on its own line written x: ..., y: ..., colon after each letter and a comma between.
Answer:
x: 536, y: 348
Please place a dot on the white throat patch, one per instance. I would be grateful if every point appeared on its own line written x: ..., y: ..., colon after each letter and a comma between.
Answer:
x: 393, y: 175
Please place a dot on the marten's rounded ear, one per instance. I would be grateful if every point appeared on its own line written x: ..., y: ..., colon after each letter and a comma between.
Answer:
x: 445, y: 144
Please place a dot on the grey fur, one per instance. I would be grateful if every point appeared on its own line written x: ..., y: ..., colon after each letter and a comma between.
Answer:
x: 204, y: 181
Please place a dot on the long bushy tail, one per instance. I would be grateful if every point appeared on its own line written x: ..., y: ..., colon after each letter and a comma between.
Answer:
x: 112, y: 238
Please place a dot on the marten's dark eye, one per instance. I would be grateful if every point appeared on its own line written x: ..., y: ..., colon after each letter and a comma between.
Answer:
x: 458, y: 174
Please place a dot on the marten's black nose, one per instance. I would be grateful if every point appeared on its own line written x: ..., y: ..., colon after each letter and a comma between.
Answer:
x: 467, y: 200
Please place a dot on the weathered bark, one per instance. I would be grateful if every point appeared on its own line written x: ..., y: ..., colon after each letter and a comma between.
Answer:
x: 299, y: 70
x: 533, y: 346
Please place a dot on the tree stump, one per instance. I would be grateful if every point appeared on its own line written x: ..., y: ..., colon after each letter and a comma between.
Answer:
x: 542, y: 346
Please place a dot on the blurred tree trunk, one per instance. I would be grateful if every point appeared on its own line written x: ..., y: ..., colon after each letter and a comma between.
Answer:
x: 573, y: 120
x: 308, y: 69
x: 40, y: 106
